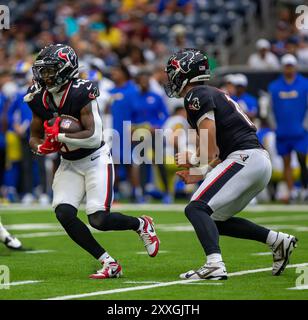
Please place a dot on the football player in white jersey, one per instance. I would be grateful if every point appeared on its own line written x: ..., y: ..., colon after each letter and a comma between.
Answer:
x: 86, y: 166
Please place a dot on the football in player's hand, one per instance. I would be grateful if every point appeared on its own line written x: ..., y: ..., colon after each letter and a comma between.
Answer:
x: 68, y: 124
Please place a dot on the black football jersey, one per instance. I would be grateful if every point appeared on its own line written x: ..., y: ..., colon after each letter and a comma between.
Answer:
x: 234, y: 130
x: 77, y: 95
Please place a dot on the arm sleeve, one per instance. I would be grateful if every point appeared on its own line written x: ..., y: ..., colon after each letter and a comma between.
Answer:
x: 94, y: 141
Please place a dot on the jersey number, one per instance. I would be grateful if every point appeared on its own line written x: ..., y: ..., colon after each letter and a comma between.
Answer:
x: 79, y: 83
x: 239, y: 110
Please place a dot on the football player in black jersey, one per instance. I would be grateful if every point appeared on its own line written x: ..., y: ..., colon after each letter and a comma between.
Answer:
x: 86, y: 166
x: 237, y: 167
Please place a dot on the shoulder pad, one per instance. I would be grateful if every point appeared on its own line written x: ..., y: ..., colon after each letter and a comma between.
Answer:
x: 85, y: 91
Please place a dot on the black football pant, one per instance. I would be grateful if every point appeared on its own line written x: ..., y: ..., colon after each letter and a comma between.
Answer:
x: 208, y: 230
x: 101, y: 220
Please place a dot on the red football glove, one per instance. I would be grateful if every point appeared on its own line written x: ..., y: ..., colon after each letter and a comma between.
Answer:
x: 52, y: 132
x: 48, y: 147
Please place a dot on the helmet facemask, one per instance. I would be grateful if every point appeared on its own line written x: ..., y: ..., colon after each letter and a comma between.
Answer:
x: 175, y: 85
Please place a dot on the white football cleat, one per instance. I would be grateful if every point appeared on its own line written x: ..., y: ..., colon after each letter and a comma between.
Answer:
x: 210, y: 271
x: 148, y: 235
x: 282, y: 249
x: 12, y: 243
x: 109, y: 270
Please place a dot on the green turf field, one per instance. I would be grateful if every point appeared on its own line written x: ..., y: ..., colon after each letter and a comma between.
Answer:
x: 62, y: 268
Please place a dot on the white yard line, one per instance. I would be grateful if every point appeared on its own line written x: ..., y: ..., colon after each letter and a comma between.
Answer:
x: 280, y: 227
x: 268, y: 253
x: 145, y: 253
x: 140, y: 282
x: 34, y: 226
x: 38, y: 251
x: 157, y: 207
x: 19, y: 283
x: 300, y: 217
x: 204, y: 283
x: 303, y: 287
x: 158, y: 285
x: 40, y: 234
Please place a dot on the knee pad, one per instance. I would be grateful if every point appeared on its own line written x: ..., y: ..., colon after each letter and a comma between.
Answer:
x: 197, y: 206
x: 65, y: 213
x: 99, y: 220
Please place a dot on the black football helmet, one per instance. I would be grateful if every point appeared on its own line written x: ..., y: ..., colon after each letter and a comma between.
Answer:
x: 183, y: 67
x: 54, y: 66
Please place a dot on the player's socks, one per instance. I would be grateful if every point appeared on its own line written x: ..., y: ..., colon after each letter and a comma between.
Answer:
x: 214, y: 258
x: 272, y: 237
x: 105, y: 258
x: 141, y: 224
x: 242, y: 228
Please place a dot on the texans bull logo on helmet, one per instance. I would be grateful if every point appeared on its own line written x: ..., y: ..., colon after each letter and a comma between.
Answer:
x: 68, y: 55
x: 184, y: 63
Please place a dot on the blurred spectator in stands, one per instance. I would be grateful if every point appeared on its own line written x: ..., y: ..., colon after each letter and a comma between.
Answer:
x: 228, y: 85
x: 289, y: 103
x: 42, y: 40
x: 283, y: 32
x: 150, y: 112
x: 3, y: 127
x: 276, y: 187
x: 110, y: 34
x: 83, y: 50
x: 291, y: 46
x: 157, y: 80
x: 302, y: 52
x: 174, y: 5
x: 32, y: 181
x: 19, y: 49
x: 129, y: 5
x: 177, y: 140
x: 138, y: 32
x: 135, y: 60
x: 180, y: 41
x: 246, y: 101
x: 124, y: 47
x: 263, y: 59
x: 12, y: 143
x: 104, y: 51
x: 121, y: 107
